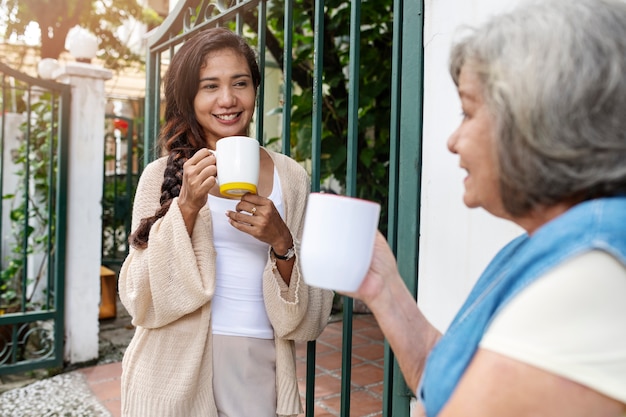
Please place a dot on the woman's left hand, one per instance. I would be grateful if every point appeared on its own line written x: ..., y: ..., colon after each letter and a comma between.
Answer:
x: 258, y: 217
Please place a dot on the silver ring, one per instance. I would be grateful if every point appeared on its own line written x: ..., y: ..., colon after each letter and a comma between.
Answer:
x: 253, y: 210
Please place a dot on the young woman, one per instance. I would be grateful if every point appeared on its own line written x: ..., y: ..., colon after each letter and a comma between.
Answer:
x: 213, y: 284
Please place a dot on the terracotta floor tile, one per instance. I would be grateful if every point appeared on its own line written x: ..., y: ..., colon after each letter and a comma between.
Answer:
x: 366, y: 374
x: 363, y: 403
x: 301, y: 349
x: 373, y: 333
x: 370, y: 351
x: 103, y: 372
x: 114, y: 406
x: 358, y: 340
x: 110, y: 389
x: 329, y: 361
x: 363, y: 321
x: 333, y: 404
x: 334, y: 341
x: 325, y: 346
x: 333, y: 328
x: 326, y: 385
x: 321, y: 346
x: 320, y: 412
x: 377, y: 389
x: 300, y: 369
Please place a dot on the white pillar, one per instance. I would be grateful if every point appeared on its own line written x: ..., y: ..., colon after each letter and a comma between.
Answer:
x: 84, y: 209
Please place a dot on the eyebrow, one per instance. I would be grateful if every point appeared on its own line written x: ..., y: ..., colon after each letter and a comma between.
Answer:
x: 234, y: 77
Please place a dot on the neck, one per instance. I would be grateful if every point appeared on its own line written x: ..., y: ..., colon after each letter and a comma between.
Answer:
x: 541, y: 215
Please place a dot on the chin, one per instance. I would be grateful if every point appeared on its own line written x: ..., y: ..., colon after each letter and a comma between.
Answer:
x: 470, y: 202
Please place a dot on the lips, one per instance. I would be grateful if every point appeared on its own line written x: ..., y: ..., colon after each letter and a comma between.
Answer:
x: 467, y: 171
x: 228, y: 117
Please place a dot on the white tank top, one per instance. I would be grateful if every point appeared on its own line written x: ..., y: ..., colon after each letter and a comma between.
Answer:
x: 238, y: 308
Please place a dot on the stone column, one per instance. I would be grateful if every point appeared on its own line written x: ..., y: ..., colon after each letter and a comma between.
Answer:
x: 84, y: 209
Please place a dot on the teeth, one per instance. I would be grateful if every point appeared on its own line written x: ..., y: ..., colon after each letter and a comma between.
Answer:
x: 226, y: 116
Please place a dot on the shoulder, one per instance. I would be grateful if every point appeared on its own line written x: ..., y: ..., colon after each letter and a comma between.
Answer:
x: 594, y: 279
x: 153, y: 172
x: 569, y: 322
x: 156, y: 167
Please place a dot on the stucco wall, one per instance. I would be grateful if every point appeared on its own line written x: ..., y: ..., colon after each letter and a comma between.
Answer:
x: 456, y: 242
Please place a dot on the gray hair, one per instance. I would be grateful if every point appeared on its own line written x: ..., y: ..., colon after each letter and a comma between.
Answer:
x: 553, y: 75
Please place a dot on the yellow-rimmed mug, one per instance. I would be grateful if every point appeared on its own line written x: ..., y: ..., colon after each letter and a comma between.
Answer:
x: 237, y: 165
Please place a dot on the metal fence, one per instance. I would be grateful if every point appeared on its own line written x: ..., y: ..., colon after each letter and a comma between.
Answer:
x: 34, y: 127
x: 123, y: 146
x: 354, y: 129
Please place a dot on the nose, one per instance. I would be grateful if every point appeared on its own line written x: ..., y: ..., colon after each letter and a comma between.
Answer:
x: 452, y: 141
x: 227, y: 98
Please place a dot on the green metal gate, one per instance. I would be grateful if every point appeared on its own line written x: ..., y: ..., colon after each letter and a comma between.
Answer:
x: 376, y: 152
x: 122, y: 168
x: 34, y: 127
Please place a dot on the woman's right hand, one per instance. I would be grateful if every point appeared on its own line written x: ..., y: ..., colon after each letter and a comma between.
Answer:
x: 382, y: 269
x: 199, y: 176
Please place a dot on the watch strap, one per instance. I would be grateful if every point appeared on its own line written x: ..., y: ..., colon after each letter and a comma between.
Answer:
x: 291, y: 252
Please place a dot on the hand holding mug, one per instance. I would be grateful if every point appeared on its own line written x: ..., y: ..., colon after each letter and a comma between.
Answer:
x: 199, y: 173
x: 382, y: 268
x: 258, y: 217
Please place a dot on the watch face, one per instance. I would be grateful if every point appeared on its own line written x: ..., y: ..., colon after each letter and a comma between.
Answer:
x: 290, y: 254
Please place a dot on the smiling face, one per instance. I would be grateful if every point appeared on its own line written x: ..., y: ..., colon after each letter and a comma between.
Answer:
x: 224, y: 103
x: 475, y: 144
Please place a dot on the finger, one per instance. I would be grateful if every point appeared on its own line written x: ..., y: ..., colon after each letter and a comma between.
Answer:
x: 241, y: 221
x: 209, y: 182
x: 202, y: 168
x: 255, y: 199
x: 246, y: 206
x: 201, y: 163
x: 199, y: 156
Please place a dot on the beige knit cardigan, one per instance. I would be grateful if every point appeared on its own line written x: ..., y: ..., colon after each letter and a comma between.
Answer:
x: 167, y: 289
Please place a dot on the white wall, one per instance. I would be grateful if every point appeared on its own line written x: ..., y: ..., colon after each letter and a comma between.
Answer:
x: 456, y: 242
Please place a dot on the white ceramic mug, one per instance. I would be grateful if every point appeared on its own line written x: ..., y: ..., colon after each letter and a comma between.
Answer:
x: 237, y: 165
x: 338, y: 241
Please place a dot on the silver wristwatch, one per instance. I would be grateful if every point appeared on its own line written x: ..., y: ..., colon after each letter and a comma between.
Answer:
x: 291, y: 252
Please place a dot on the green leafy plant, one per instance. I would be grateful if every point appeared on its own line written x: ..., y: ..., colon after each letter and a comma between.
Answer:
x: 32, y: 211
x: 374, y: 105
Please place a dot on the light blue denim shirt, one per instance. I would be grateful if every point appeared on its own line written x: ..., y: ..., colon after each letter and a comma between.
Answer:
x: 598, y: 224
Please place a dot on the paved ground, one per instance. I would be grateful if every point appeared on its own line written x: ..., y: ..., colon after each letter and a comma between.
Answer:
x: 94, y: 390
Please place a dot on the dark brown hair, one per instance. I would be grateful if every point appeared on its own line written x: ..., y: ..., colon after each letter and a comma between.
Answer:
x: 181, y: 135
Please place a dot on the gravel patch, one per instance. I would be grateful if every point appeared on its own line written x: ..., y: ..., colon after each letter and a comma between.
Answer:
x: 35, y: 394
x: 64, y: 395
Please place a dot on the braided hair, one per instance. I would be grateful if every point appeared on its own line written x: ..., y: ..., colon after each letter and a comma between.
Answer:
x: 181, y: 135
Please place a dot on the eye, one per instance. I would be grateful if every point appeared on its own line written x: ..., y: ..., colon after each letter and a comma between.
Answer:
x: 208, y: 86
x: 241, y: 84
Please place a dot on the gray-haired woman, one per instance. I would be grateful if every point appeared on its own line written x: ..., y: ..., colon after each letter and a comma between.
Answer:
x: 543, y: 141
